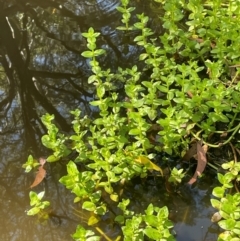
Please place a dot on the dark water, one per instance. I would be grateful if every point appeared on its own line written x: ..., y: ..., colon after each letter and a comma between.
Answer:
x: 41, y: 70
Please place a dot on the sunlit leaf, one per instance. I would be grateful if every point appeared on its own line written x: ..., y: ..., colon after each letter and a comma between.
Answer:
x: 149, y: 210
x: 76, y: 199
x: 93, y: 220
x: 216, y: 203
x: 114, y: 197
x: 225, y: 235
x: 218, y: 192
x: 153, y: 233
x: 134, y: 132
x: 228, y: 165
x: 33, y: 211
x: 227, y: 224
x: 41, y: 195
x: 52, y: 158
x: 72, y: 168
x: 98, y: 52
x: 89, y: 206
x: 30, y: 164
x: 101, y: 210
x: 33, y: 198
x: 150, y: 165
x: 87, y: 54
x: 108, y: 189
x: 151, y: 220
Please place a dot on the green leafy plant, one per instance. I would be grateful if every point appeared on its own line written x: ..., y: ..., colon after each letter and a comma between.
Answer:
x: 30, y: 164
x: 82, y: 234
x: 37, y: 204
x: 83, y: 186
x: 154, y: 224
x: 227, y: 204
x: 54, y: 140
x: 188, y: 88
x: 176, y: 176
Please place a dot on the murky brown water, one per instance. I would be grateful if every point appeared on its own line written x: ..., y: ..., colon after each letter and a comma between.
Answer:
x: 41, y: 70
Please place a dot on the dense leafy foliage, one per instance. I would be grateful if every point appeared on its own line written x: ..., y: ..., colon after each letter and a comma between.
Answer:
x: 227, y: 204
x: 187, y: 88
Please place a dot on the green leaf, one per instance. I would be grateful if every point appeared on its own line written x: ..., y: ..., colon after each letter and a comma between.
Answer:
x: 88, y: 54
x: 95, y: 197
x: 153, y: 233
x: 92, y: 79
x: 162, y: 88
x: 52, y: 158
x: 227, y: 224
x: 89, y: 206
x: 96, y: 103
x: 40, y: 195
x: 82, y: 234
x: 72, y: 168
x: 228, y: 165
x: 134, y: 132
x: 47, y: 119
x: 138, y: 103
x: 108, y: 189
x: 100, y: 91
x: 122, y: 28
x: 149, y: 210
x: 218, y: 192
x: 101, y: 210
x: 138, y: 38
x: 33, y: 198
x: 77, y: 199
x: 143, y: 56
x: 235, y: 239
x: 120, y: 219
x: 151, y: 220
x: 163, y: 213
x: 121, y: 9
x: 93, y: 220
x: 114, y: 197
x: 30, y: 164
x: 152, y: 114
x: 46, y: 141
x: 136, y: 168
x: 98, y: 52
x: 33, y: 211
x: 216, y: 203
x: 93, y: 238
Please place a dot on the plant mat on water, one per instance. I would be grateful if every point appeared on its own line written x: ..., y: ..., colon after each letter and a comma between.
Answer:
x: 191, y: 92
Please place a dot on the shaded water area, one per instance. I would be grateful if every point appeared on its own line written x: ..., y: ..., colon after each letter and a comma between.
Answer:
x: 42, y: 70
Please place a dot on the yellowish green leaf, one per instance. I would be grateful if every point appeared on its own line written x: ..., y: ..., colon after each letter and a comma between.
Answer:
x: 93, y: 220
x: 147, y: 163
x: 114, y: 197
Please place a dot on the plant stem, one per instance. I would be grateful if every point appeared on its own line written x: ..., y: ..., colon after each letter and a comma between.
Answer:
x: 220, y: 144
x: 103, y: 234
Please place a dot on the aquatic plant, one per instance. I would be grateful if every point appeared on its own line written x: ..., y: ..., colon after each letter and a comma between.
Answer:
x: 37, y: 204
x: 188, y: 89
x: 227, y: 203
